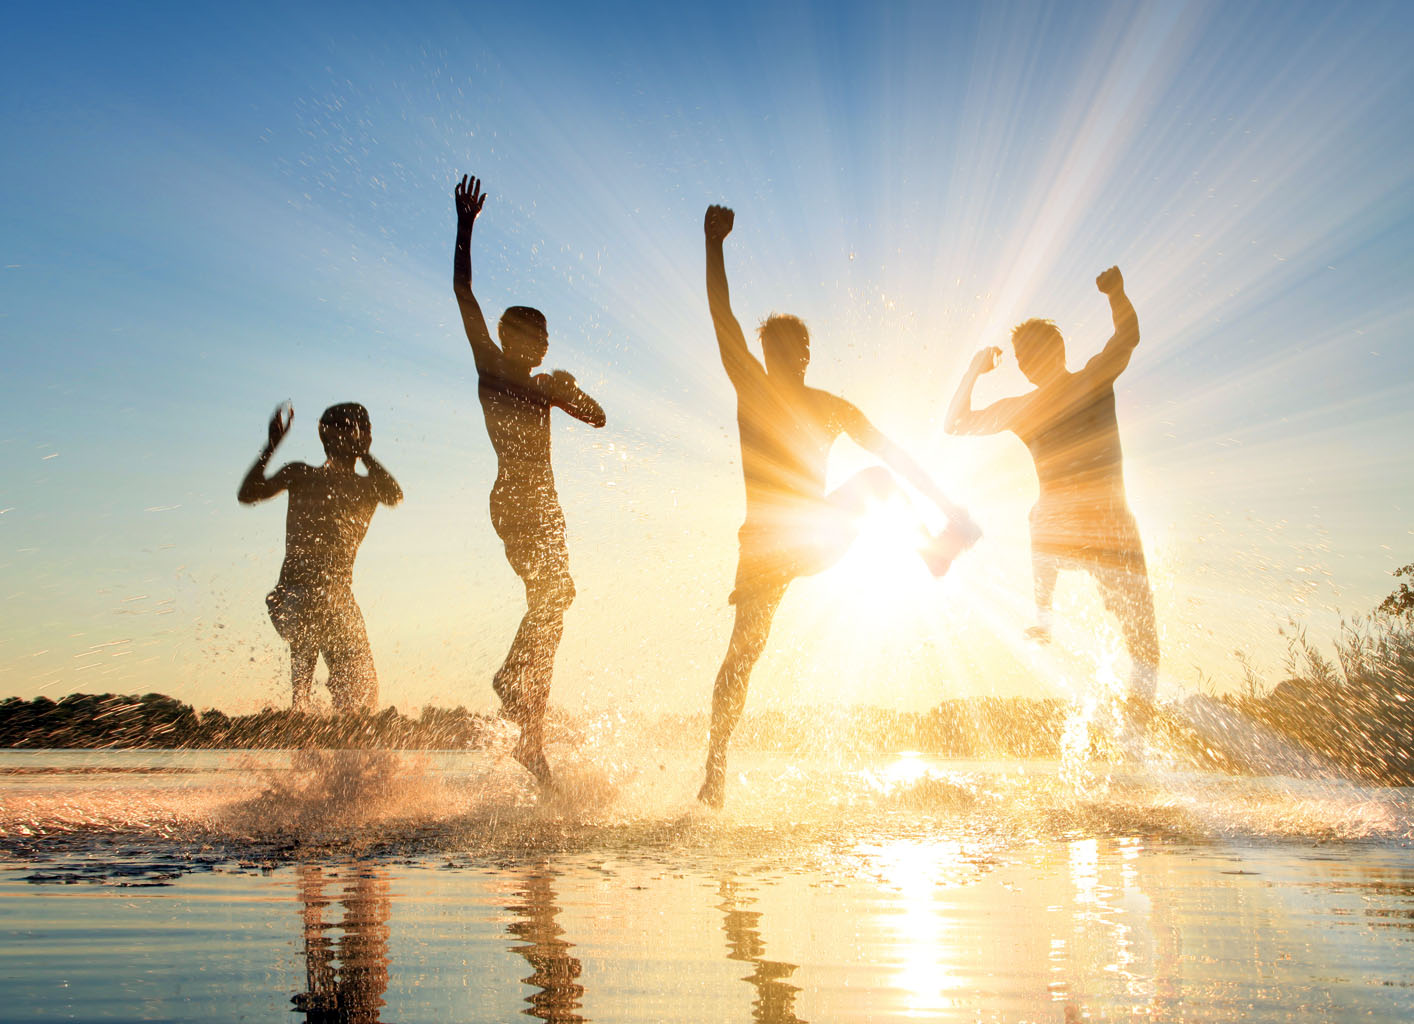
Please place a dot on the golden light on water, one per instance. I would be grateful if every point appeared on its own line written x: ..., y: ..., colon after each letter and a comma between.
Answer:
x: 925, y: 935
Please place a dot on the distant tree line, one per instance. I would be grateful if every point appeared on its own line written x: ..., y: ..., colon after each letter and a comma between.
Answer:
x: 156, y: 721
x: 1353, y: 715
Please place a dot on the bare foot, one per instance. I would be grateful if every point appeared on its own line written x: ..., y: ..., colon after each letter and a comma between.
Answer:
x: 1041, y: 634
x: 530, y: 752
x: 713, y: 791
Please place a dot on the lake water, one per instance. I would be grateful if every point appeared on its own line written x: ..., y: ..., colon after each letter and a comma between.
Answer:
x: 360, y: 887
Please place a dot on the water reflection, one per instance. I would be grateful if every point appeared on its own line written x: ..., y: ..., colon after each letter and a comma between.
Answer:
x: 555, y: 970
x: 775, y: 997
x: 347, y: 976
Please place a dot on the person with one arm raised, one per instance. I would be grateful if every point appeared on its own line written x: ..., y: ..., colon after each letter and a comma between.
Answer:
x: 525, y: 508
x: 793, y: 528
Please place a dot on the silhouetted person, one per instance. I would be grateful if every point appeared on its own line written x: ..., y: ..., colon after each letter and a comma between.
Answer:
x: 1081, y: 520
x: 345, y: 978
x: 525, y: 510
x: 556, y: 971
x: 312, y: 605
x: 792, y: 528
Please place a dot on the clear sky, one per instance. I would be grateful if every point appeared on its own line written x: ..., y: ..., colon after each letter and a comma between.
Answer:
x: 208, y: 209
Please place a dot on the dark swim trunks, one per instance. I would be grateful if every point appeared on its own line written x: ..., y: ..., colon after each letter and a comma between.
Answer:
x: 1099, y: 533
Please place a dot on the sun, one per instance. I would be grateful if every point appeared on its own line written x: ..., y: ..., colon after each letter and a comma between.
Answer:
x: 886, y: 559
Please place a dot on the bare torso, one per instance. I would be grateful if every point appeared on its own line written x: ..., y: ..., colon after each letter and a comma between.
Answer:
x: 328, y: 516
x: 786, y: 435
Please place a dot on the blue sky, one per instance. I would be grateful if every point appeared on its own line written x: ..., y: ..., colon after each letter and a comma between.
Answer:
x: 210, y: 209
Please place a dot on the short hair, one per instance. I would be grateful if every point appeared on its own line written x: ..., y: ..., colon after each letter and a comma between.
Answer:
x: 1037, y: 339
x: 521, y: 318
x: 345, y: 429
x: 784, y: 337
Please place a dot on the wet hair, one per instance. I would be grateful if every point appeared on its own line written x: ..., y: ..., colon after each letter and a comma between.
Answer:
x: 345, y: 429
x: 785, y: 340
x: 1037, y: 341
x: 520, y: 320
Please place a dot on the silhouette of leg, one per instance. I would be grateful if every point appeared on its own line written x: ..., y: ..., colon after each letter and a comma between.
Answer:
x: 303, y: 657
x: 754, y: 611
x: 291, y: 617
x: 540, y: 557
x: 1045, y: 569
x: 523, y: 681
x: 1128, y: 596
x: 353, y: 681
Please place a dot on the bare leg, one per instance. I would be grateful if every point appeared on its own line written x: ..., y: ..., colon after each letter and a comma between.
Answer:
x: 303, y: 657
x: 523, y: 680
x: 1128, y: 596
x: 754, y: 612
x: 353, y: 681
x: 1044, y: 571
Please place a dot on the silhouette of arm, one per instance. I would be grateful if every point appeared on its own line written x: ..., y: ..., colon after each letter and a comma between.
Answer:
x: 962, y: 418
x: 740, y: 364
x: 469, y: 201
x: 872, y: 439
x: 1114, y: 357
x: 257, y: 486
x: 560, y: 388
x: 385, y: 488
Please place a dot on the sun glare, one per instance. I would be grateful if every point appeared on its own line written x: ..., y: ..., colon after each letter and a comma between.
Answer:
x: 885, y: 558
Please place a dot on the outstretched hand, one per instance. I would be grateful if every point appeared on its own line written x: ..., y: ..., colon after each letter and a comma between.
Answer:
x: 1110, y: 281
x: 280, y: 423
x: 470, y: 199
x: 718, y: 223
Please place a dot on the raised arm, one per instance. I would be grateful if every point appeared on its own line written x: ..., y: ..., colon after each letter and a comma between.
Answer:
x: 385, y: 488
x: 561, y: 389
x: 1114, y: 357
x: 740, y: 364
x: 872, y: 439
x: 469, y: 201
x: 256, y: 486
x: 962, y: 418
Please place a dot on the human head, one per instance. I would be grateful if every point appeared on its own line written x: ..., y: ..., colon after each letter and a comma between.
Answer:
x: 524, y: 336
x: 1040, y: 350
x: 785, y: 341
x: 345, y: 430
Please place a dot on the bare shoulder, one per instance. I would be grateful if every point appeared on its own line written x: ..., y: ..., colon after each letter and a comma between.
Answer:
x: 834, y: 409
x: 293, y: 474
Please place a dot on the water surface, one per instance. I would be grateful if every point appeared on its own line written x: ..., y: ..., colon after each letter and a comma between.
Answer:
x: 379, y: 887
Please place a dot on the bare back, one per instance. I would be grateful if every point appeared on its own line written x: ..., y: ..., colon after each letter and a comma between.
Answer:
x: 328, y: 516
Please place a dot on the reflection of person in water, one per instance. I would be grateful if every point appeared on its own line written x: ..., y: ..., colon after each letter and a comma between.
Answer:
x: 351, y: 992
x: 775, y: 997
x: 793, y: 528
x: 525, y: 510
x: 312, y: 605
x: 1081, y: 520
x: 555, y: 970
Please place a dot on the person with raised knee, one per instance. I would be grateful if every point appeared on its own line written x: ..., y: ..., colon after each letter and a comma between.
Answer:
x: 793, y: 528
x: 1081, y: 520
x: 525, y: 509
